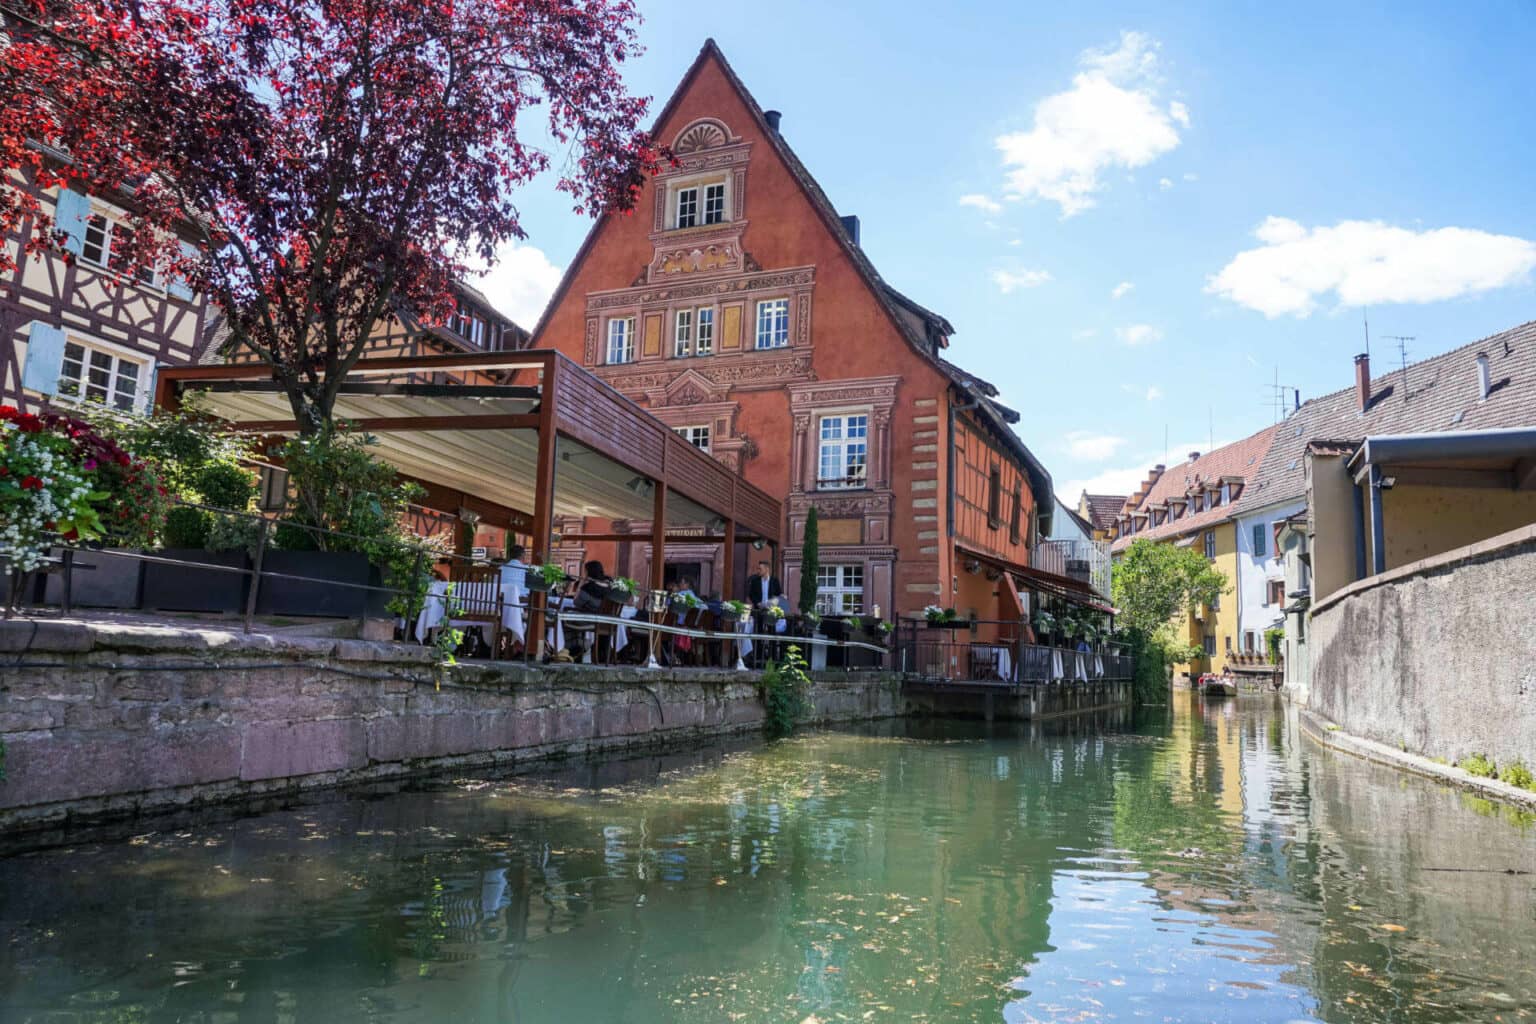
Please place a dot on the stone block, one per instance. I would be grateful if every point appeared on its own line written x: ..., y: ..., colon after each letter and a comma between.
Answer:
x: 24, y: 716
x: 34, y: 636
x: 275, y: 750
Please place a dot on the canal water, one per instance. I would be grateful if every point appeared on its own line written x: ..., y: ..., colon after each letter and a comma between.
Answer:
x: 1204, y: 863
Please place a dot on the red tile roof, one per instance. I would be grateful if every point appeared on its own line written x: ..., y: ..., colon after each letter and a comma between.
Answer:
x: 1240, y: 459
x: 1103, y: 508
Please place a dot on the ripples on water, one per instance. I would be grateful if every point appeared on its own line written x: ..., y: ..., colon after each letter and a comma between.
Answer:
x: 1207, y: 865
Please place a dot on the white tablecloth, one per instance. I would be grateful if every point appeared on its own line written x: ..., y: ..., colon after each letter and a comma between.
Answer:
x: 1057, y: 671
x: 514, y: 600
x: 744, y: 645
x: 1079, y: 666
x: 1004, y: 664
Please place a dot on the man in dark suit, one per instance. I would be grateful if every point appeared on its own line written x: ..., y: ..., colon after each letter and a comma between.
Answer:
x: 763, y: 586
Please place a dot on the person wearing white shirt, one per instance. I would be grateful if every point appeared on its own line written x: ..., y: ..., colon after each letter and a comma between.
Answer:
x: 514, y: 572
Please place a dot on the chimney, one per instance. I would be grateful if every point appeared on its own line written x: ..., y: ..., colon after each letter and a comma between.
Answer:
x: 1194, y: 456
x: 772, y: 117
x: 1296, y: 399
x: 851, y: 225
x: 1363, y: 379
x: 1484, y: 378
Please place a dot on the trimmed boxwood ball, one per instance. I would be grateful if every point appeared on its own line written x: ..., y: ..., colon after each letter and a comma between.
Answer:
x: 186, y: 527
x: 225, y: 485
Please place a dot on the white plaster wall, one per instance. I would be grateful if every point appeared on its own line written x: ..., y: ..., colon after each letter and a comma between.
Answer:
x: 1254, y: 574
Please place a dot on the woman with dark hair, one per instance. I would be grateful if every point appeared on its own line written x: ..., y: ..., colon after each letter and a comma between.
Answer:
x: 590, y: 596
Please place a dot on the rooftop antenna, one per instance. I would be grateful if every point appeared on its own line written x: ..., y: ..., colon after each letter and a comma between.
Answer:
x: 1278, y: 396
x: 1402, y: 351
x: 1367, y: 322
x: 1210, y: 438
x: 1165, y: 444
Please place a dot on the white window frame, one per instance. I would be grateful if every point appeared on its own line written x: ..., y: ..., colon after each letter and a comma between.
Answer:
x: 840, y: 589
x: 704, y: 331
x: 75, y: 390
x: 625, y: 336
x: 777, y: 322
x: 696, y: 191
x: 682, y: 333
x: 698, y: 435
x: 834, y: 432
x: 1210, y: 544
x: 112, y: 220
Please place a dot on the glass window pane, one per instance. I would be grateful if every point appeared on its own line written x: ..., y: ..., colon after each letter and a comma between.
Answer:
x: 94, y: 246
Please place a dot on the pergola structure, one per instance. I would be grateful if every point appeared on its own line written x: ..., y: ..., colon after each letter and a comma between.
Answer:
x: 519, y: 438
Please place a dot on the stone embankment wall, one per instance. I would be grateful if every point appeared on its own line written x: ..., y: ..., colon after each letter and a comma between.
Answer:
x: 1437, y: 657
x: 102, y: 722
x: 1030, y: 704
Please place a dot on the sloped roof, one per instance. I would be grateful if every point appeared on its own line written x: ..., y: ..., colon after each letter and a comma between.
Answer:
x: 923, y: 329
x: 1103, y: 508
x: 1436, y: 394
x: 1239, y: 459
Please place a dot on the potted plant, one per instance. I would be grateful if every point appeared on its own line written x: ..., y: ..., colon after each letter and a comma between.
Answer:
x: 1045, y: 626
x: 200, y: 535
x: 545, y: 577
x: 942, y: 618
x: 621, y: 589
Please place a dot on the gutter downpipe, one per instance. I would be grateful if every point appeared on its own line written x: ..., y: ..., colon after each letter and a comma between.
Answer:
x: 1359, y: 530
x: 1378, y: 524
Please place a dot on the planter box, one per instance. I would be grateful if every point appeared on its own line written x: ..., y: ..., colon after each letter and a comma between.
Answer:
x: 325, y: 599
x: 954, y: 624
x: 113, y: 582
x: 185, y: 588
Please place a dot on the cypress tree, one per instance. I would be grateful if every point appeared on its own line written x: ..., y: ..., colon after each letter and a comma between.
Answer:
x: 810, y: 562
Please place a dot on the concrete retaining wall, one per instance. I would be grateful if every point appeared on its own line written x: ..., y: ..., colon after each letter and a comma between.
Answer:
x: 1437, y: 658
x: 102, y: 722
x: 1030, y: 703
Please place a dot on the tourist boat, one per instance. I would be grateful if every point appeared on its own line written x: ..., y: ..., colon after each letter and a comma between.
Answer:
x: 1213, y: 685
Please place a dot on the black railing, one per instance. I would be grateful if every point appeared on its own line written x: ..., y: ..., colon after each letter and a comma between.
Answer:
x: 997, y: 651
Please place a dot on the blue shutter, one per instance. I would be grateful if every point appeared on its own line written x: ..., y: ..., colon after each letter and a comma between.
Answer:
x: 45, y: 358
x: 148, y: 384
x: 69, y: 216
x: 176, y: 284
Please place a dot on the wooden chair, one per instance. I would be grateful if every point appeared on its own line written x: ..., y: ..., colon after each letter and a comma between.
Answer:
x: 477, y: 598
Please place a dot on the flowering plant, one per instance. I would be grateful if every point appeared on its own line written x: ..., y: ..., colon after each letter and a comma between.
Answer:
x: 735, y: 609
x: 622, y: 585
x: 46, y: 488
x: 933, y: 613
x: 775, y: 612
x: 1045, y: 622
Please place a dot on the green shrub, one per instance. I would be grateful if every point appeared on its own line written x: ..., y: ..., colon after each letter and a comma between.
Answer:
x: 226, y: 485
x: 1273, y: 640
x: 1518, y: 774
x: 784, y: 691
x: 234, y: 533
x: 1480, y: 766
x: 187, y: 527
x: 291, y: 536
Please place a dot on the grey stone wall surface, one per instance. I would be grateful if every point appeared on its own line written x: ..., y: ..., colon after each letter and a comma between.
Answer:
x: 1436, y: 658
x: 104, y: 721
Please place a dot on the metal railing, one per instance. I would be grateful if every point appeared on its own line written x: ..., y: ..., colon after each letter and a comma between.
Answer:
x: 996, y: 651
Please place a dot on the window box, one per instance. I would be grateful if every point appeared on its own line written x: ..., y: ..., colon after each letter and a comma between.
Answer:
x: 186, y: 588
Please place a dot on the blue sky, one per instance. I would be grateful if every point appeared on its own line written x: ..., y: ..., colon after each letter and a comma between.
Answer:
x: 1135, y: 214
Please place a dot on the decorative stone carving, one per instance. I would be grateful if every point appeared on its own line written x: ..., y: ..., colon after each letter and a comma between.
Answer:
x: 782, y: 280
x: 591, y: 348
x: 704, y: 134
x: 842, y: 506
x: 698, y: 259
x: 747, y: 371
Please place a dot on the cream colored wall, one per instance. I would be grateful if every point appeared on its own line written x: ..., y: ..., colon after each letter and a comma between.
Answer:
x: 1222, y: 621
x: 1332, y: 501
x: 1423, y: 521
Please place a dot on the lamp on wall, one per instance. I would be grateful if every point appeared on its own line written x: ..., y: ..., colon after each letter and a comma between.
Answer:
x: 972, y: 566
x: 758, y: 543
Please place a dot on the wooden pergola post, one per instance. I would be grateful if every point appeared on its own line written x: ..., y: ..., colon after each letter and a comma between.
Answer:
x: 658, y: 556
x: 727, y: 587
x: 543, y: 500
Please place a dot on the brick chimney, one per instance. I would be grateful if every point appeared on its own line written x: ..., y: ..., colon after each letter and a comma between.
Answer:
x: 1363, y: 379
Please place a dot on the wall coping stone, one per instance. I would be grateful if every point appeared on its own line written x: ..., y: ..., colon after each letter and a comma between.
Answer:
x: 1498, y: 546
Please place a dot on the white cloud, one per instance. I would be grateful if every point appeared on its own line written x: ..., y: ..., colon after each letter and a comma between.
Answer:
x: 1082, y: 444
x: 1191, y: 176
x: 1367, y: 263
x: 1009, y: 281
x: 1165, y: 183
x: 1154, y: 393
x: 984, y: 203
x: 1085, y: 333
x: 1016, y: 241
x: 1109, y: 118
x: 1110, y: 481
x: 1139, y: 334
x: 1120, y: 290
x: 520, y: 283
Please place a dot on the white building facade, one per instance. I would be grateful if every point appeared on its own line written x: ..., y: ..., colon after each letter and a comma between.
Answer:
x: 1260, y: 582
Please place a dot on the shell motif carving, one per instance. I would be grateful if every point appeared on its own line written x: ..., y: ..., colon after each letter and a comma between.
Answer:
x: 705, y: 135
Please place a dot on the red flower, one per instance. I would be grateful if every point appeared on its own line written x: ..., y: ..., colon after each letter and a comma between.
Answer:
x: 29, y: 424
x: 71, y: 534
x: 8, y: 412
x: 31, y: 483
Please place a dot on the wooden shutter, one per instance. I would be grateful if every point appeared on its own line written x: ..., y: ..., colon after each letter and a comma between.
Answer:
x: 45, y: 358
x: 69, y: 216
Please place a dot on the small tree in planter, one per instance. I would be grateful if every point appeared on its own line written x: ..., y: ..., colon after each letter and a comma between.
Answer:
x: 205, y: 536
x: 810, y: 563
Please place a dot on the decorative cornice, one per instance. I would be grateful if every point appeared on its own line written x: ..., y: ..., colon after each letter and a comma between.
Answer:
x: 746, y: 371
x: 794, y: 278
x: 873, y: 390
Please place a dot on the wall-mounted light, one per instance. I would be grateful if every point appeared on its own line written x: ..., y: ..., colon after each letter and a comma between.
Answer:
x: 1388, y: 482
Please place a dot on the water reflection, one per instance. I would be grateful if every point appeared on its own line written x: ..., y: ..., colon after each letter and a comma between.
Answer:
x: 1205, y: 865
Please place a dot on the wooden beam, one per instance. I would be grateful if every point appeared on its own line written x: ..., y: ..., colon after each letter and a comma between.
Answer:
x: 1423, y: 476
x: 468, y: 361
x: 643, y: 538
x: 389, y: 424
x: 543, y: 501
x: 728, y: 574
x: 1525, y: 474
x: 659, y: 535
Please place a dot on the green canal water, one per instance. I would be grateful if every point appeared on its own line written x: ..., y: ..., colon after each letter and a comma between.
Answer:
x: 1206, y: 863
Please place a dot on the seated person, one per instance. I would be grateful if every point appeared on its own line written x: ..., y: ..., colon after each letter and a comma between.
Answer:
x: 514, y: 572
x: 594, y: 590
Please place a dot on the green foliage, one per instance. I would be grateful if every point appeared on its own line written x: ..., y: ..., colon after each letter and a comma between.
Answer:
x: 228, y: 532
x: 785, y: 690
x: 810, y: 562
x: 187, y: 527
x: 1480, y: 766
x: 340, y: 487
x: 1154, y: 582
x: 226, y: 485
x: 179, y: 445
x: 1518, y: 774
x: 1149, y: 678
x: 1273, y: 639
x: 855, y: 623
x: 551, y: 573
x: 446, y: 641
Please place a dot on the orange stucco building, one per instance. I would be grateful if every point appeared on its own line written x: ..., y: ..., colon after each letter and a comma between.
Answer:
x: 736, y: 305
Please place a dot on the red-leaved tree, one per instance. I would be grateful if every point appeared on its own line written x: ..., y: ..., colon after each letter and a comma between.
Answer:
x: 316, y: 166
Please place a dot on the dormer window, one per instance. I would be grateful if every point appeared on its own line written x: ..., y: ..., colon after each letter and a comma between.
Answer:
x: 1199, y: 501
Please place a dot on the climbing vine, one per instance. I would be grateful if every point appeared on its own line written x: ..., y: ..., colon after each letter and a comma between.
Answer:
x: 785, y: 690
